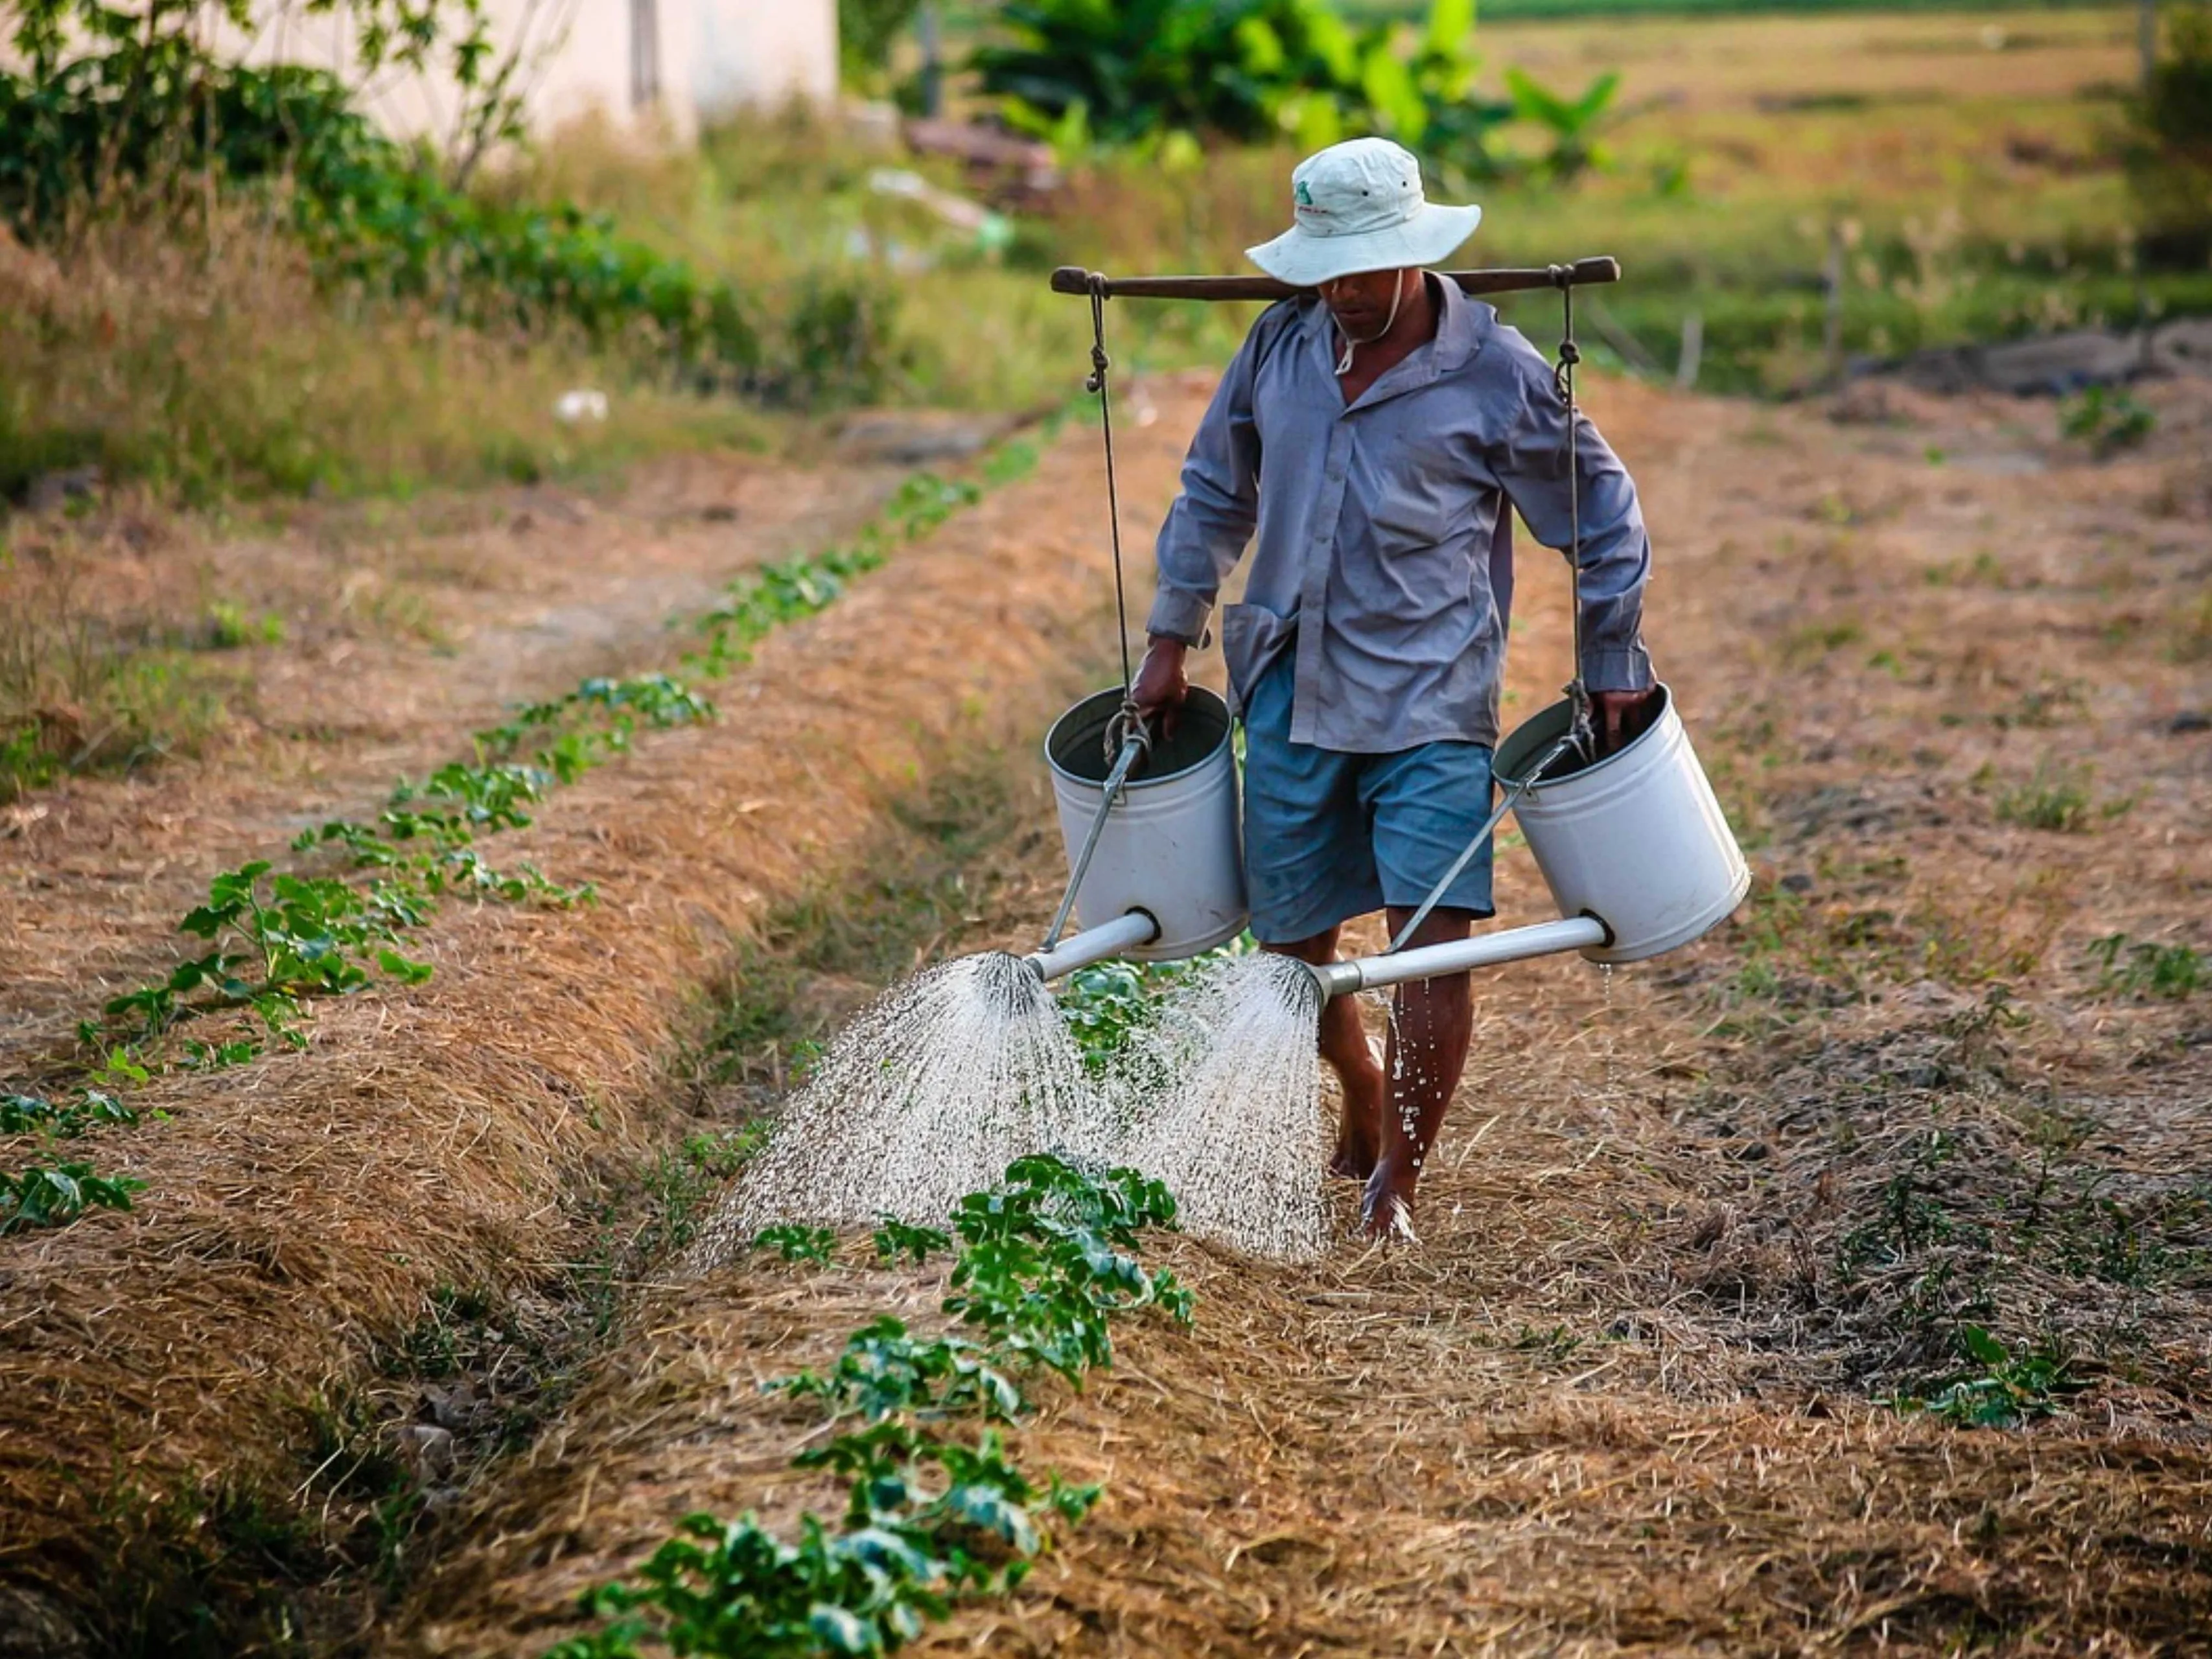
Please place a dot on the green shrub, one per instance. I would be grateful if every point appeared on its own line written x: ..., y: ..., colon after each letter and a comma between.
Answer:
x: 373, y: 214
x: 2056, y: 799
x: 866, y: 31
x: 2170, y: 162
x: 1999, y: 1389
x: 1247, y: 69
x: 2106, y: 419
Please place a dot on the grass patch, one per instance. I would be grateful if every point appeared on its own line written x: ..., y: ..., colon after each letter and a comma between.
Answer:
x: 106, y: 666
x: 2147, y: 968
x: 220, y: 369
x: 2059, y: 799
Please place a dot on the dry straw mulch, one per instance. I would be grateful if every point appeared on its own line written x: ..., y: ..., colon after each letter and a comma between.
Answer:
x: 302, y: 1211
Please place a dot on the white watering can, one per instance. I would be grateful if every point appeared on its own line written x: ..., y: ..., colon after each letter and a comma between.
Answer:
x: 1154, y: 847
x: 1634, y: 848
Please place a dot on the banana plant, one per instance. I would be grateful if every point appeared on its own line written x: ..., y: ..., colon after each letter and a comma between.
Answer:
x: 1573, y: 123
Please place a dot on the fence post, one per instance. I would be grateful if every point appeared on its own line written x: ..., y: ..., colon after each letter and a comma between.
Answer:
x: 1832, y: 340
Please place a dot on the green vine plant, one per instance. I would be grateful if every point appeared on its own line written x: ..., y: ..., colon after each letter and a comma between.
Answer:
x: 277, y: 941
x: 54, y: 1195
x: 44, y: 1193
x: 764, y: 600
x: 1045, y: 1260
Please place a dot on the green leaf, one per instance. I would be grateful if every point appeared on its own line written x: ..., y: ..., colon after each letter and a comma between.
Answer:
x: 1450, y: 27
x: 1980, y: 1345
x: 400, y: 968
x: 841, y: 1632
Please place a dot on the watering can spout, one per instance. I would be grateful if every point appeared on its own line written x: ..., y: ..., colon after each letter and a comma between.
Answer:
x: 1543, y: 939
x: 1124, y: 933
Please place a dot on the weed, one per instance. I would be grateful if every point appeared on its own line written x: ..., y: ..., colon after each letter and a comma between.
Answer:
x: 2089, y: 1234
x: 2056, y: 799
x: 795, y: 1242
x: 2147, y: 968
x: 96, y: 674
x: 434, y: 1346
x: 1974, y: 945
x: 2044, y: 706
x: 1984, y: 571
x: 229, y: 628
x: 1555, y: 1343
x: 2192, y: 633
x: 1802, y: 646
x: 681, y: 1183
x: 1999, y: 1389
x: 1910, y: 1218
x: 2108, y: 421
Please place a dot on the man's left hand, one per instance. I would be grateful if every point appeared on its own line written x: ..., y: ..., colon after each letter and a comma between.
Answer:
x: 1620, y: 718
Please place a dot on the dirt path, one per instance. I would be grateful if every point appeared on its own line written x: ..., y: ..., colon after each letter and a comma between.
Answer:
x: 403, y: 632
x: 1692, y: 1224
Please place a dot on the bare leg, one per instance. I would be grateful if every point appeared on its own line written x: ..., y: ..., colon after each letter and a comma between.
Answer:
x: 1344, y: 1046
x: 1428, y: 1051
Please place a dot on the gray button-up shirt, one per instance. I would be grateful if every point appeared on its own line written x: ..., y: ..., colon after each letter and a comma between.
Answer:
x: 1385, y: 552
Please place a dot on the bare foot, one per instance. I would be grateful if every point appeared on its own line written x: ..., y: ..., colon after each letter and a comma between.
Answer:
x: 1359, y: 1136
x: 1386, y: 1210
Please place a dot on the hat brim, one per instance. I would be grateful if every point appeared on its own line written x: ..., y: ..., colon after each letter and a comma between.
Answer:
x: 1304, y: 260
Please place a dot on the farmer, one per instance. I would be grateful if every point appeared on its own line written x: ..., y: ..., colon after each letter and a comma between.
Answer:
x: 1377, y: 434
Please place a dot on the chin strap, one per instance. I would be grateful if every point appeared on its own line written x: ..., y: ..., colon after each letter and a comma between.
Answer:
x: 1397, y: 294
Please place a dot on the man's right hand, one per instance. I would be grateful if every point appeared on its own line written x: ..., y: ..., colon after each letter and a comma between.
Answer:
x: 1161, y: 685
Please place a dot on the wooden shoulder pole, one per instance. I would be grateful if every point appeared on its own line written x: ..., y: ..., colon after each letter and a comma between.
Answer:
x: 1073, y: 279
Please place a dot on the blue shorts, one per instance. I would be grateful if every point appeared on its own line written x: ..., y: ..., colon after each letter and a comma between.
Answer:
x: 1330, y: 835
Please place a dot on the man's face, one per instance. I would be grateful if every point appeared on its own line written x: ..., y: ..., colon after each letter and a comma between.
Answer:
x: 1361, y: 302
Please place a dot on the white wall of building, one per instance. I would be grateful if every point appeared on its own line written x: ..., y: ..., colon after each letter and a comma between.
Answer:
x: 760, y: 53
x: 662, y: 67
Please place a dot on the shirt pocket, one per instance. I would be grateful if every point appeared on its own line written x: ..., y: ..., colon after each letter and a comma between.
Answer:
x: 1415, y: 498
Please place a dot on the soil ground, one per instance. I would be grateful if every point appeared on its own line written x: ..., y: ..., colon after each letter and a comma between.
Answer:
x: 1693, y: 1227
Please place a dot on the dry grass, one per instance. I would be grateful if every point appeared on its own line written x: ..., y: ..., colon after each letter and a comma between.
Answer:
x: 211, y: 366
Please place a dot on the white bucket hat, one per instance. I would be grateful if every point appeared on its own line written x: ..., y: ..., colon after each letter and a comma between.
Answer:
x: 1358, y: 206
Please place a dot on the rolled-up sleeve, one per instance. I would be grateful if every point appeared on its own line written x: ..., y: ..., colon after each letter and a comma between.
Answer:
x: 1531, y: 465
x: 1213, y: 517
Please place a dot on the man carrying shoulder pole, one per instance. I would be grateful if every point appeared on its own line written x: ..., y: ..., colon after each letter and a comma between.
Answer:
x: 1372, y: 440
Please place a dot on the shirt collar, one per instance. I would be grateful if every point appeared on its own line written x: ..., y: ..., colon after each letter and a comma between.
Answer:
x: 1461, y: 326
